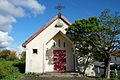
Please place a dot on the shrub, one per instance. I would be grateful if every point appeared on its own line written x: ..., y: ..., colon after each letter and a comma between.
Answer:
x: 8, y: 71
x: 12, y: 57
x: 33, y: 74
x: 113, y: 75
x: 4, y: 53
x: 99, y: 78
x: 23, y: 58
x: 20, y: 66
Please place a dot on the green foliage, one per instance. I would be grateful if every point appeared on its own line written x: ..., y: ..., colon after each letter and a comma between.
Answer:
x: 8, y: 71
x: 23, y: 58
x: 111, y: 39
x: 32, y: 74
x: 4, y: 53
x: 10, y: 67
x: 12, y: 57
x: 113, y: 75
x: 98, y: 58
x: 102, y: 34
x: 8, y: 55
x: 99, y: 78
x: 21, y: 66
x: 112, y: 21
x: 85, y: 33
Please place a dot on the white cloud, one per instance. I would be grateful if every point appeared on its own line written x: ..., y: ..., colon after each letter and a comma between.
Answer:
x: 6, y: 19
x: 12, y: 9
x: 32, y: 5
x: 6, y: 23
x: 20, y: 48
x: 5, y: 39
x: 7, y: 8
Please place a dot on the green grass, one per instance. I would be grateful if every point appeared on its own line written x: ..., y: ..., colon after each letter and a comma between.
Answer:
x: 8, y: 71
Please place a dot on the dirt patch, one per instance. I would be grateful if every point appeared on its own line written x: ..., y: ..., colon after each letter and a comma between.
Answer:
x: 55, y: 78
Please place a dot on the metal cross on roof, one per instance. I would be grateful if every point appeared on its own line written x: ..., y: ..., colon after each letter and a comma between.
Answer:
x: 59, y: 7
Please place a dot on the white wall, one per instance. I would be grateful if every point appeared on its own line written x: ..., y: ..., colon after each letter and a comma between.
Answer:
x: 34, y: 62
x: 69, y: 53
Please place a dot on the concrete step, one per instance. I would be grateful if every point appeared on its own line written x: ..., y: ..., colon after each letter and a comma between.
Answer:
x: 66, y: 74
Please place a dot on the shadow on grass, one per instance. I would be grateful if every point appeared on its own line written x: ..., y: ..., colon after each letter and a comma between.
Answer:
x: 20, y: 66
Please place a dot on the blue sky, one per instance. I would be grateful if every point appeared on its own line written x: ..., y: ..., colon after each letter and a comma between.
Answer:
x: 25, y: 26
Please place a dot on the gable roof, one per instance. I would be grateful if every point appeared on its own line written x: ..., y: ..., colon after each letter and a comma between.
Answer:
x: 44, y: 27
x: 63, y: 35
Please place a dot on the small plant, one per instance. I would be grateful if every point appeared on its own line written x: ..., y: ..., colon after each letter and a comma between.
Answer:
x: 99, y: 78
x: 32, y: 74
x: 113, y: 75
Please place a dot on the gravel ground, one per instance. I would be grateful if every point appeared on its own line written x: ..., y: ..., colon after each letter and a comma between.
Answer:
x: 56, y: 78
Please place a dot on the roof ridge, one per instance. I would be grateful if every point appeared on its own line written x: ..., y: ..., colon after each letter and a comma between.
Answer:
x: 45, y: 26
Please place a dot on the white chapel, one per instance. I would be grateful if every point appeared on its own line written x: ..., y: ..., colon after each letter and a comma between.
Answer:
x: 49, y: 49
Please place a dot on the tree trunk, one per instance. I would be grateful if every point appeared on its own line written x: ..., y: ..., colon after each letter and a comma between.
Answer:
x: 107, y: 68
x: 86, y: 64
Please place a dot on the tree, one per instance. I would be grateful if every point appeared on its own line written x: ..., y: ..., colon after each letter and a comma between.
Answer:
x: 8, y: 55
x: 102, y: 34
x: 112, y: 38
x: 23, y: 56
x: 4, y: 53
x: 12, y: 57
x: 85, y: 35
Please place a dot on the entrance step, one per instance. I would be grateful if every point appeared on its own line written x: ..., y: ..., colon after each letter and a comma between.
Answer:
x: 67, y: 74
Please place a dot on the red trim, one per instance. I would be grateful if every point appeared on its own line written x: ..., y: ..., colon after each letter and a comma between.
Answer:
x: 44, y: 27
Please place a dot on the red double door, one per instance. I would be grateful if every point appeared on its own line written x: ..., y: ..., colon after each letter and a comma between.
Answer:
x: 59, y: 60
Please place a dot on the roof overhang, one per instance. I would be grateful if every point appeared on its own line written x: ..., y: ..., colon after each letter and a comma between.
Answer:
x: 44, y: 27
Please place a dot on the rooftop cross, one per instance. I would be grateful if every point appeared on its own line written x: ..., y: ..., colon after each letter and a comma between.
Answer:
x: 59, y: 7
